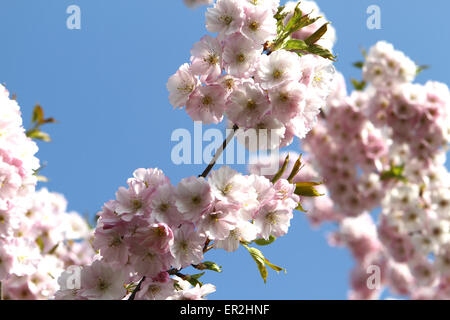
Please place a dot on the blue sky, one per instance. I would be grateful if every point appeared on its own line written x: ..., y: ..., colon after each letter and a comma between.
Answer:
x: 106, y: 84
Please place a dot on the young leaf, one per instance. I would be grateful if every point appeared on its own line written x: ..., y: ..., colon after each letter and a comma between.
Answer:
x: 177, y: 286
x: 193, y: 279
x: 359, y: 64
x: 421, y: 68
x: 38, y: 135
x: 274, y: 267
x: 306, y: 189
x: 53, y: 250
x: 38, y: 115
x: 321, y: 51
x: 316, y: 36
x: 281, y: 171
x: 395, y: 172
x: 260, y: 261
x: 295, y: 169
x: 295, y: 44
x: 208, y: 265
x: 263, y: 242
x: 308, y: 184
x: 300, y: 208
x: 359, y: 85
x: 40, y: 243
x: 280, y: 16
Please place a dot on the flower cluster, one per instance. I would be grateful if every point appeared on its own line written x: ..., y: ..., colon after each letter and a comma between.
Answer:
x: 17, y: 160
x: 36, y: 233
x: 43, y: 246
x: 258, y: 71
x: 196, y: 3
x: 153, y: 229
x: 384, y: 147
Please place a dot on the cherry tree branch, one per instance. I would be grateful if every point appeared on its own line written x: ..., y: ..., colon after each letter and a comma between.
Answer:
x: 219, y: 152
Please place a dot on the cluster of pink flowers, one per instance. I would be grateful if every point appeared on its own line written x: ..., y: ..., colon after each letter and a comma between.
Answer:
x: 237, y: 76
x: 43, y: 246
x: 153, y: 229
x: 17, y: 161
x: 384, y: 147
x: 196, y: 3
x: 36, y: 232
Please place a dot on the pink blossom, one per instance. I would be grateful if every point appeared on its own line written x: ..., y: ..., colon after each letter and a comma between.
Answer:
x: 226, y: 17
x: 188, y: 245
x: 181, y: 85
x: 193, y: 197
x: 259, y: 24
x: 207, y: 104
x: 240, y: 56
x: 100, y: 282
x: 278, y: 68
x: 218, y: 222
x: 206, y: 60
x: 247, y: 105
x: 133, y: 201
x: 273, y: 219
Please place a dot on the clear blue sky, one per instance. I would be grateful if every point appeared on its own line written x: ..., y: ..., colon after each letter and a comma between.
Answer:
x: 106, y: 84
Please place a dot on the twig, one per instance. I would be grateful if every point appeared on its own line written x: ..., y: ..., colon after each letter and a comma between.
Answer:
x: 219, y: 152
x: 136, y: 290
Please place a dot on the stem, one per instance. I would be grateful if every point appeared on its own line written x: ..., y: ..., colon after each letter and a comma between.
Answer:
x: 136, y: 290
x: 1, y: 291
x: 204, y: 175
x: 219, y: 152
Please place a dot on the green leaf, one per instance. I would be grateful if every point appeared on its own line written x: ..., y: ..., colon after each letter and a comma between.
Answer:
x: 308, y: 184
x: 300, y: 208
x: 421, y: 68
x: 208, y: 265
x: 212, y: 266
x: 316, y: 36
x: 193, y: 279
x: 306, y: 189
x: 53, y: 250
x: 38, y: 135
x: 177, y: 286
x: 274, y: 267
x: 295, y: 44
x: 197, y: 276
x: 280, y: 16
x: 395, y: 172
x: 260, y: 261
x: 321, y: 51
x: 280, y: 172
x: 359, y: 64
x: 359, y: 85
x: 297, y: 15
x: 264, y: 242
x: 40, y: 243
x: 38, y: 115
x: 295, y: 169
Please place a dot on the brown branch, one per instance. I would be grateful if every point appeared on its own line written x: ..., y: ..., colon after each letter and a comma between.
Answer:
x: 219, y: 152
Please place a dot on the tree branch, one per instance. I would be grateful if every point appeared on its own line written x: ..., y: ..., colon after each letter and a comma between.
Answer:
x: 219, y: 152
